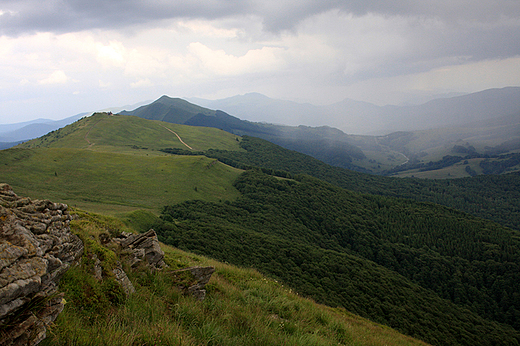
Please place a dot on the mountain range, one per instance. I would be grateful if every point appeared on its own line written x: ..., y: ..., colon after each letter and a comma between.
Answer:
x: 445, y: 273
x: 488, y: 122
x: 434, y: 153
x: 362, y: 118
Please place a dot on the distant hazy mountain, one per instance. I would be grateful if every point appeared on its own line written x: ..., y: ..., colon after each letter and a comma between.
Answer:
x: 12, y: 134
x: 355, y: 117
x: 15, y: 126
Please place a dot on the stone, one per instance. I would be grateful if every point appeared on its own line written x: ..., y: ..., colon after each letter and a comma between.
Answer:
x: 36, y: 249
x: 196, y: 285
x: 142, y: 247
x: 123, y: 279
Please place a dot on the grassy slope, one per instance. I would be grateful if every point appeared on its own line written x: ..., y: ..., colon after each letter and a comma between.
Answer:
x: 102, y: 132
x: 242, y: 307
x: 125, y: 140
x: 120, y: 170
x: 121, y: 181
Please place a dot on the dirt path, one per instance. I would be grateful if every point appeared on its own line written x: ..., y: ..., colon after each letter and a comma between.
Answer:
x: 406, y: 158
x: 175, y: 133
x: 88, y: 132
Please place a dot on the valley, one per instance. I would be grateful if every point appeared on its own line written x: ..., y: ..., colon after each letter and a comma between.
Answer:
x: 394, y: 147
x: 358, y: 241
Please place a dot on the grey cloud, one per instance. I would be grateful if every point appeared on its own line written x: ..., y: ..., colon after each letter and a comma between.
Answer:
x: 74, y: 15
x: 277, y: 15
x: 284, y: 15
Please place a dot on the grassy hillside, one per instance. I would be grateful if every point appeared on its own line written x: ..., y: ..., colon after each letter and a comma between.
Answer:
x: 113, y: 182
x: 103, y: 132
x: 111, y: 164
x: 398, y: 153
x: 349, y: 250
x: 327, y: 144
x: 242, y: 307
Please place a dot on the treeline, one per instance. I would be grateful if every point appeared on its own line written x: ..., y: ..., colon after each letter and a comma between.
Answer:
x: 431, y: 272
x: 500, y: 166
x: 492, y: 197
x: 494, y: 163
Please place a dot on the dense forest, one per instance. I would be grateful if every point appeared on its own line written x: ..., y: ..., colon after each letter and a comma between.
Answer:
x: 493, y: 197
x: 429, y: 271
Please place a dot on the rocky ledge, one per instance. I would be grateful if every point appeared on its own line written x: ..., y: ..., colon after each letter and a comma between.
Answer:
x: 144, y: 249
x: 36, y: 249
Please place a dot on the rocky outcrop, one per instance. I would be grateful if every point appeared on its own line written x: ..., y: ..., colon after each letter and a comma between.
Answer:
x: 36, y: 249
x: 142, y: 248
x: 123, y: 279
x: 193, y: 280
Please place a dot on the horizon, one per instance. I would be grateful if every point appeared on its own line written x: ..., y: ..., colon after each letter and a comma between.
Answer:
x: 193, y: 100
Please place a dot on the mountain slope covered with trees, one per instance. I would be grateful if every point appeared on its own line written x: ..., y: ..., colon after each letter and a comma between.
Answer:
x: 426, y: 270
x: 492, y: 197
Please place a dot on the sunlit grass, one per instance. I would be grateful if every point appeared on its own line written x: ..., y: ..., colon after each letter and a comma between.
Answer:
x: 112, y: 183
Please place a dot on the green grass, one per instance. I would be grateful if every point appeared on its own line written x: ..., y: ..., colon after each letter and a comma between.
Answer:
x: 242, y: 307
x: 102, y: 132
x: 113, y: 165
x: 115, y: 182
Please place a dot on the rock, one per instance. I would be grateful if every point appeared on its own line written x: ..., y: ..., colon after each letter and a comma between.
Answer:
x: 195, y: 282
x: 98, y: 270
x: 123, y: 279
x: 142, y: 247
x: 36, y: 249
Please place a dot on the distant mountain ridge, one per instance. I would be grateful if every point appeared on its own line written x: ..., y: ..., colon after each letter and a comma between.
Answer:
x: 20, y: 132
x: 375, y: 154
x: 324, y: 143
x: 418, y: 134
x: 363, y: 118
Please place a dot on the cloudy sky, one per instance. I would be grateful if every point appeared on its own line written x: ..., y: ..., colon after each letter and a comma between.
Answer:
x: 63, y: 57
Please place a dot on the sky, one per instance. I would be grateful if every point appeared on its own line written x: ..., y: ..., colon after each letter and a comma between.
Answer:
x: 59, y: 58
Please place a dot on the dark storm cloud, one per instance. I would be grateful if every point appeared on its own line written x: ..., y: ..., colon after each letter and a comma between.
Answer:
x: 23, y: 16
x: 73, y: 15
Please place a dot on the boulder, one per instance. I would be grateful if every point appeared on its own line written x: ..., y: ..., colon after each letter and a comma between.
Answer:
x: 194, y: 280
x: 142, y: 248
x: 36, y: 249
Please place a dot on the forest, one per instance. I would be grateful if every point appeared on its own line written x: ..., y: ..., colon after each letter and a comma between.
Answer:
x: 431, y: 272
x: 493, y: 197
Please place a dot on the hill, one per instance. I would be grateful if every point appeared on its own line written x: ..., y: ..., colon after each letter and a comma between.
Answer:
x: 335, y: 244
x: 325, y: 143
x: 107, y: 163
x: 492, y: 197
x: 242, y: 307
x: 420, y: 153
x: 430, y: 272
